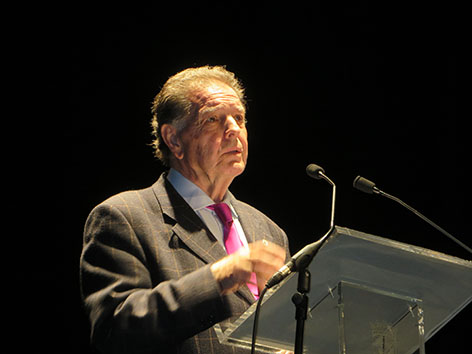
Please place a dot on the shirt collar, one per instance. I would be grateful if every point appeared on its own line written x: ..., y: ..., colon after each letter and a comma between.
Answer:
x: 192, y: 194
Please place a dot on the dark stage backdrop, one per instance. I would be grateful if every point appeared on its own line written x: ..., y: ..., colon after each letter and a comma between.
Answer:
x: 360, y: 89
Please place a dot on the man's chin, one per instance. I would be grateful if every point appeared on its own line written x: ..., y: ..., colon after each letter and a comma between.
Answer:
x: 235, y: 169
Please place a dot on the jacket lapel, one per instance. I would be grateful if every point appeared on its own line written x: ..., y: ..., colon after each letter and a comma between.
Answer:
x: 187, y: 225
x: 250, y: 225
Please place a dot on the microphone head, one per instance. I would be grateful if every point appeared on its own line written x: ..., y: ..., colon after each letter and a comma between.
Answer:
x: 314, y: 171
x: 364, y: 185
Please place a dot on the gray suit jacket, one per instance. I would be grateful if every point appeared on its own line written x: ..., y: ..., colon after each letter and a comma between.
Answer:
x: 145, y: 273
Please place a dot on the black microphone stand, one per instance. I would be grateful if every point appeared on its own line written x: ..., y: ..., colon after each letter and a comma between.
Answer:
x: 300, y: 298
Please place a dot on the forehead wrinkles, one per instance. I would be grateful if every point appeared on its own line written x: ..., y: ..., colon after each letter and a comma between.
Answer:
x: 216, y: 106
x: 214, y: 97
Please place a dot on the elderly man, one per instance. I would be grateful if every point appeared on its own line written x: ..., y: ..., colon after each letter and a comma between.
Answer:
x: 162, y: 265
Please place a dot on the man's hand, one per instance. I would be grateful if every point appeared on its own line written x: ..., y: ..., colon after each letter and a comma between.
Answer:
x: 262, y: 257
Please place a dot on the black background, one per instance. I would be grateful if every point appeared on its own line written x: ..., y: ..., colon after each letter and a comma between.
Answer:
x: 358, y: 88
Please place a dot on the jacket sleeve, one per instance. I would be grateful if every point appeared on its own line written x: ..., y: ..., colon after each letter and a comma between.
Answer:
x: 124, y: 308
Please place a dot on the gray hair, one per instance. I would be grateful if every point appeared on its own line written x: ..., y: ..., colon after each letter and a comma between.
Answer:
x: 173, y: 104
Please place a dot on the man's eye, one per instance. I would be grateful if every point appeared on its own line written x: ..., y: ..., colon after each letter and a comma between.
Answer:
x: 240, y: 119
x: 212, y: 119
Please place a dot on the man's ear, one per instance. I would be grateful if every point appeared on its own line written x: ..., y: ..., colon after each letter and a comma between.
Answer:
x: 172, y: 140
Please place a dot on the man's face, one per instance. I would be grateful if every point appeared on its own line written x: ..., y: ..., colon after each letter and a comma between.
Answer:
x: 215, y: 143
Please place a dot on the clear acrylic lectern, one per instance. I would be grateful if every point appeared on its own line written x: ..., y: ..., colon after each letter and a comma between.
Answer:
x: 368, y: 295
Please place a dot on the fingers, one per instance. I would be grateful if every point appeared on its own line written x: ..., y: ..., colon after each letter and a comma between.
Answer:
x: 233, y: 271
x: 266, y: 257
x: 262, y: 257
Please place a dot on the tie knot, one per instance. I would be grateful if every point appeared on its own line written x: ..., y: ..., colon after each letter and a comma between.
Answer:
x: 223, y: 212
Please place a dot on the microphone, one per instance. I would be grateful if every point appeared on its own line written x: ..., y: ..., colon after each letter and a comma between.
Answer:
x: 366, y: 186
x: 303, y: 257
x: 315, y: 171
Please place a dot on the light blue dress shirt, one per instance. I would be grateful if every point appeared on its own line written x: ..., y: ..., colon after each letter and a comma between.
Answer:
x: 199, y: 200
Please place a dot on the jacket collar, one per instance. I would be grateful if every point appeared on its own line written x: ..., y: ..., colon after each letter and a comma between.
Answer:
x: 186, y: 223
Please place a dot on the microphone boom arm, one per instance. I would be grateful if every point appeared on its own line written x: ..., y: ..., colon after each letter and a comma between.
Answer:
x: 333, y: 200
x: 366, y: 186
x: 417, y: 213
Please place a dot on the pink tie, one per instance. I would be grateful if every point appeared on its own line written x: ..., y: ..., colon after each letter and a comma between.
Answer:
x: 231, y: 238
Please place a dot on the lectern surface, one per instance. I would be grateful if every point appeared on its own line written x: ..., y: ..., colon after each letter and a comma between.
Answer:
x: 382, y: 285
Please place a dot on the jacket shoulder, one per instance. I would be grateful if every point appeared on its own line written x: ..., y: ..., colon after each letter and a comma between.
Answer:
x: 131, y: 199
x: 131, y: 204
x: 144, y: 199
x: 253, y: 212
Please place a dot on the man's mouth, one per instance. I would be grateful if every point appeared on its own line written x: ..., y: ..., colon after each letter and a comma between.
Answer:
x: 235, y: 150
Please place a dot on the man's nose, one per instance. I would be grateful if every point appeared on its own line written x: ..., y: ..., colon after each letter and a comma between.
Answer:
x: 232, y: 127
